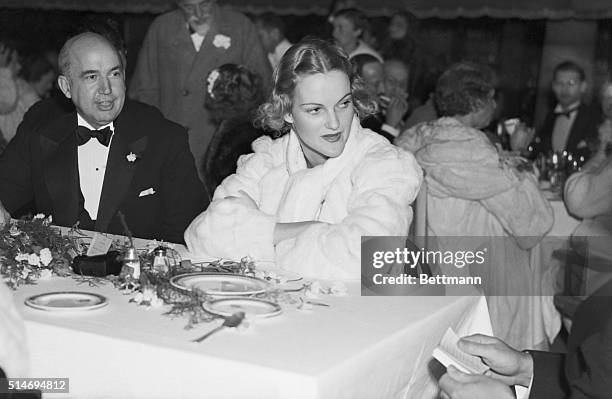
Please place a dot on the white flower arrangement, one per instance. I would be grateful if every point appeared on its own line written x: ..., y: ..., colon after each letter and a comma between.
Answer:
x: 222, y: 41
x: 131, y: 157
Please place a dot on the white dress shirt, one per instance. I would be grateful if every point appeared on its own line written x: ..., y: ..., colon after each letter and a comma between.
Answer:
x: 92, y: 157
x: 197, y: 40
x: 563, y: 126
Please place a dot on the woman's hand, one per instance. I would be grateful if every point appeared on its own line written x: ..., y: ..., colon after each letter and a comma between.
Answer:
x: 395, y: 111
x: 522, y: 137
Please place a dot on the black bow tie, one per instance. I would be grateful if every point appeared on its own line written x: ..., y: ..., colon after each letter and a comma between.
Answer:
x: 567, y: 113
x: 84, y: 134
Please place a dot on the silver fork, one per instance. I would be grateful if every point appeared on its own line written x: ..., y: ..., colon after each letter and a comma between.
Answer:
x: 232, y: 321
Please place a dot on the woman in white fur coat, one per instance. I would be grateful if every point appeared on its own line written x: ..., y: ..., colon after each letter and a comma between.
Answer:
x: 304, y: 200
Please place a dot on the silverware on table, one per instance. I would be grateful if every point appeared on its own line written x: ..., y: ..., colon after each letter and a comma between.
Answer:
x: 231, y: 321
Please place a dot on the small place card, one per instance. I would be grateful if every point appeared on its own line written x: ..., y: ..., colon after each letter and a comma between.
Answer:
x: 100, y: 244
x: 449, y: 353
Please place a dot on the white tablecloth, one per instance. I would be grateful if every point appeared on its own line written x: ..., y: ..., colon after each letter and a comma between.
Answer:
x: 359, y: 347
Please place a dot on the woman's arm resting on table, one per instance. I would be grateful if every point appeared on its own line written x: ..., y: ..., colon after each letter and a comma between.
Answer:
x: 285, y: 231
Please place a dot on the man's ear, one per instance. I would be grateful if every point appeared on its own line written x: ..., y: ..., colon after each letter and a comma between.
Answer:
x: 64, y: 85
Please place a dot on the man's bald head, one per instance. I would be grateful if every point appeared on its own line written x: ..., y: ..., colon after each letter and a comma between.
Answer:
x: 92, y: 76
x: 78, y: 43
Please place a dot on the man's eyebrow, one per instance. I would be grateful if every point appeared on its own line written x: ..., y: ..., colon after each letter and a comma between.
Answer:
x: 89, y: 72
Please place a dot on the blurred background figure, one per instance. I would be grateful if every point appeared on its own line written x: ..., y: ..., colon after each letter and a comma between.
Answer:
x: 181, y: 47
x: 271, y: 29
x: 386, y: 83
x: 571, y: 125
x: 350, y: 26
x: 400, y: 43
x: 588, y: 196
x: 473, y: 191
x: 40, y: 74
x: 16, y: 95
x: 232, y: 95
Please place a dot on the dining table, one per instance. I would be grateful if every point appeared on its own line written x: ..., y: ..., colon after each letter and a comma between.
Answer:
x: 344, y: 346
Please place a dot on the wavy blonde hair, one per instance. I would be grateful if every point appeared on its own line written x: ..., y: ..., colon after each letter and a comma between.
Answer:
x: 309, y: 56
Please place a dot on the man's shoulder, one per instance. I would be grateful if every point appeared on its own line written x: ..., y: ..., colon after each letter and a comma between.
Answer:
x: 230, y: 16
x: 169, y: 17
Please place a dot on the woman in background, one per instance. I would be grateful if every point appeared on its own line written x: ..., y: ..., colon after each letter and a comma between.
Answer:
x: 305, y: 199
x: 16, y: 95
x: 477, y: 198
x: 233, y: 93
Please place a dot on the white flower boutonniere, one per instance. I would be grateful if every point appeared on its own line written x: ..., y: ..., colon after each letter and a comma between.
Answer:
x: 131, y: 157
x: 222, y: 41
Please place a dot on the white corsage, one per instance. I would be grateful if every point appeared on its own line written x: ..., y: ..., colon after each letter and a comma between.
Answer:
x: 222, y: 41
x: 210, y: 82
x: 131, y: 157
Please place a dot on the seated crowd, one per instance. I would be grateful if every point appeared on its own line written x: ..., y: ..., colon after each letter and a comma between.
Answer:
x: 301, y: 162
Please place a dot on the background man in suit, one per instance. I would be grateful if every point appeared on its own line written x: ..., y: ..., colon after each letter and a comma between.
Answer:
x: 571, y: 126
x: 271, y: 29
x: 179, y: 51
x: 109, y: 155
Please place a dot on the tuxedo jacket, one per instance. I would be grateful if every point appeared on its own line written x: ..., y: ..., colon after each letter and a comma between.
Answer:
x: 582, y: 133
x: 41, y: 165
x: 585, y: 371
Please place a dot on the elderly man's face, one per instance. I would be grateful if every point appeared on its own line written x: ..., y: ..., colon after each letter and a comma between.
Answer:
x: 95, y: 80
x: 197, y: 11
x: 396, y: 78
x: 373, y: 75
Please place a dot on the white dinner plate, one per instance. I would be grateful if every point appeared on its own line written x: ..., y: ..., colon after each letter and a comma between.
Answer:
x: 252, y: 307
x: 66, y: 301
x: 220, y: 283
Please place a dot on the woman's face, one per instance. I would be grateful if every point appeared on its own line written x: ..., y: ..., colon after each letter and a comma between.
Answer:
x: 398, y: 27
x: 321, y: 114
x: 345, y: 33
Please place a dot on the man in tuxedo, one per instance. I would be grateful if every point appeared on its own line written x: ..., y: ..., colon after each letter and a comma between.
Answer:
x: 572, y: 125
x: 107, y: 155
x: 584, y: 372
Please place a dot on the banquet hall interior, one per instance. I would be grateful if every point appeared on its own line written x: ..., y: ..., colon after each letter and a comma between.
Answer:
x: 306, y: 199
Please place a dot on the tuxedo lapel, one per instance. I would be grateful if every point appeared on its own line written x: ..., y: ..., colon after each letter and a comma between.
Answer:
x: 60, y: 164
x: 119, y: 170
x: 577, y: 131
